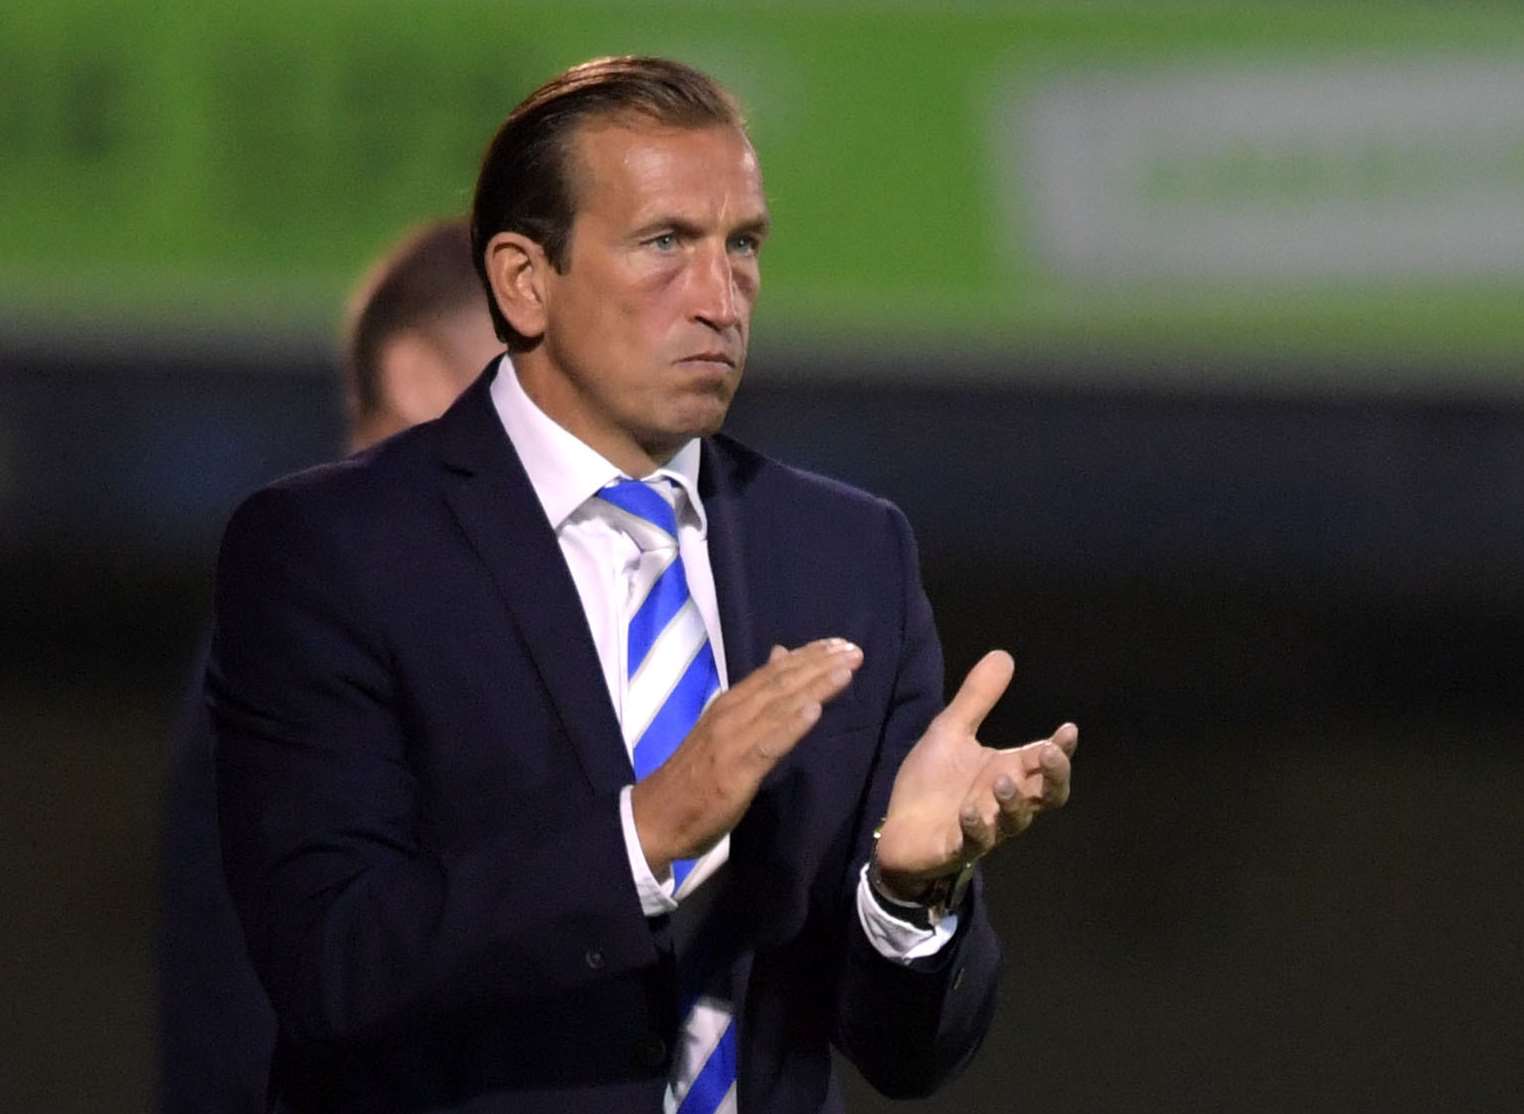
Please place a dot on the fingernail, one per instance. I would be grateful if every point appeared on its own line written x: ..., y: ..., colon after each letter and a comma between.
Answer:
x: 842, y: 646
x: 1005, y: 788
x: 971, y: 815
x: 840, y: 676
x: 810, y: 713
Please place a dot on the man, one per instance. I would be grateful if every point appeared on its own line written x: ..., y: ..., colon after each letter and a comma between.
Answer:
x: 416, y: 333
x: 557, y: 736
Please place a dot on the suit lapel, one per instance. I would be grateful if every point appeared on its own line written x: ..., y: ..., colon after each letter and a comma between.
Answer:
x: 740, y: 581
x: 740, y: 553
x: 491, y: 497
x: 735, y: 578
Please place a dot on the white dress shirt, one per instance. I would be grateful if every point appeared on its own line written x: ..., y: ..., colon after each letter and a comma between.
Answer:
x: 567, y: 475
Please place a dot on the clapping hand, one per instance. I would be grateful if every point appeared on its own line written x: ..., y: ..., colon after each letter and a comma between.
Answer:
x: 955, y: 800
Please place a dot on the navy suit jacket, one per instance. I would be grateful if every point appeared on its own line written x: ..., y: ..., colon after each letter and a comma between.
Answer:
x: 216, y: 1028
x: 418, y: 773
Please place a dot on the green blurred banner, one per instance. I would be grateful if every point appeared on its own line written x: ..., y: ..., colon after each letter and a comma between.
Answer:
x: 1144, y: 185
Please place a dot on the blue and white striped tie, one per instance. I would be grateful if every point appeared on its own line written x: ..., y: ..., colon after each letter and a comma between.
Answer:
x: 670, y: 677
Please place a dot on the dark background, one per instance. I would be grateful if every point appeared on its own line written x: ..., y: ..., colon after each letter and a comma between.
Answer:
x: 1289, y: 628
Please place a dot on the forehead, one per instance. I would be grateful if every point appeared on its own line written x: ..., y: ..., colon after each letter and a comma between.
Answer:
x: 633, y: 168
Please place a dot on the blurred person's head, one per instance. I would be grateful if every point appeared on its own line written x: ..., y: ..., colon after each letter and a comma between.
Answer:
x: 416, y: 333
x: 616, y: 226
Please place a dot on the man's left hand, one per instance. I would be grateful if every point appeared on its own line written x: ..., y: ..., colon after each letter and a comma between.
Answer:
x: 955, y: 800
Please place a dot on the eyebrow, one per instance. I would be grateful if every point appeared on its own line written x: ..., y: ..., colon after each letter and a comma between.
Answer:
x: 757, y: 226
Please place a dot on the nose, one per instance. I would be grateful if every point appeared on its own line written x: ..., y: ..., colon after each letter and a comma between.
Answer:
x: 716, y: 300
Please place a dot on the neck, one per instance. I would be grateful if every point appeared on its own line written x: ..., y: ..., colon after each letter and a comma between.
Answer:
x: 565, y: 404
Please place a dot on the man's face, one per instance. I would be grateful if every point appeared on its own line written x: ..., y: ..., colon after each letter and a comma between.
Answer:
x: 646, y: 329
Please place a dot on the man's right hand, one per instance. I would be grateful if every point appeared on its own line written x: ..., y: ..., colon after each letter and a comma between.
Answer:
x: 704, y: 788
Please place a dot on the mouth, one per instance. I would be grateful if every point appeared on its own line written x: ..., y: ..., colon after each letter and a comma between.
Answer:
x: 720, y: 359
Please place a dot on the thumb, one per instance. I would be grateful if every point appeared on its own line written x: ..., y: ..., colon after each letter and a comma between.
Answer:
x: 981, y: 690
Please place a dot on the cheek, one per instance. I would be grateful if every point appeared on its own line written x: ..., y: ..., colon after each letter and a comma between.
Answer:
x: 656, y: 303
x: 609, y: 331
x: 660, y: 285
x: 748, y: 279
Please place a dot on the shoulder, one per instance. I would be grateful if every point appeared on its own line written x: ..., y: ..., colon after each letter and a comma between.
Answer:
x: 356, y: 498
x: 765, y: 485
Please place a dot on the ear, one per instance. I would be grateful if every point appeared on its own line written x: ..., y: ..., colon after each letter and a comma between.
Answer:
x: 417, y: 382
x: 517, y: 269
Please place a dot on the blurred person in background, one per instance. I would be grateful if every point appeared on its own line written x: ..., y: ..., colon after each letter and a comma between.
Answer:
x: 415, y: 334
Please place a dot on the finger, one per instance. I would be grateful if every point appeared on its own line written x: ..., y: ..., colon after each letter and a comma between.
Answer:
x: 1050, y: 761
x: 781, y: 712
x: 822, y: 667
x: 1016, y: 816
x: 1043, y: 770
x: 1053, y: 764
x: 979, y: 819
x: 778, y: 680
x: 1066, y: 738
x: 1016, y: 793
x: 803, y: 691
x: 782, y: 662
x: 981, y: 690
x: 787, y: 670
x: 980, y: 812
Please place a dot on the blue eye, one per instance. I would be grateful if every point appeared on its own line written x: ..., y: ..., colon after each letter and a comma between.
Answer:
x: 745, y: 244
x: 665, y: 242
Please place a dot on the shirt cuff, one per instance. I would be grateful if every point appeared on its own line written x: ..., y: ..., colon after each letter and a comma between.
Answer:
x: 656, y: 897
x: 893, y: 938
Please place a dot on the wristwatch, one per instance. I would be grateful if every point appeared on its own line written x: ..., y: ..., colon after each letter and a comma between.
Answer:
x: 942, y: 895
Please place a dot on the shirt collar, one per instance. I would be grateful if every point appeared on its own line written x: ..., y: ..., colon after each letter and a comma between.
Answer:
x: 564, y: 472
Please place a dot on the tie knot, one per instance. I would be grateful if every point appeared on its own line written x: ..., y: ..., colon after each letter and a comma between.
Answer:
x: 644, y: 507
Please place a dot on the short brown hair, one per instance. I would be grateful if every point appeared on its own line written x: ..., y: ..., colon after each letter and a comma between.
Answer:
x: 524, y: 185
x: 427, y: 277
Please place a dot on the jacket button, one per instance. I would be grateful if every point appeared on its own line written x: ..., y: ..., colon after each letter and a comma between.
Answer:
x: 594, y: 959
x: 650, y: 1051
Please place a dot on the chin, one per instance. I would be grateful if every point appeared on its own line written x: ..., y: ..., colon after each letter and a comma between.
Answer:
x: 673, y: 435
x: 703, y: 414
x: 713, y: 421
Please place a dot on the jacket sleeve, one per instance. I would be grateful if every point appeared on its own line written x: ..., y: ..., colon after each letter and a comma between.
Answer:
x: 356, y: 925
x: 910, y: 1028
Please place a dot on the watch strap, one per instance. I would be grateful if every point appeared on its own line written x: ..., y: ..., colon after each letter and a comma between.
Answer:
x: 942, y: 895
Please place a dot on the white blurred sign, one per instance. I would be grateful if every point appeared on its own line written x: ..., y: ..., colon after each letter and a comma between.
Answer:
x: 1363, y: 172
